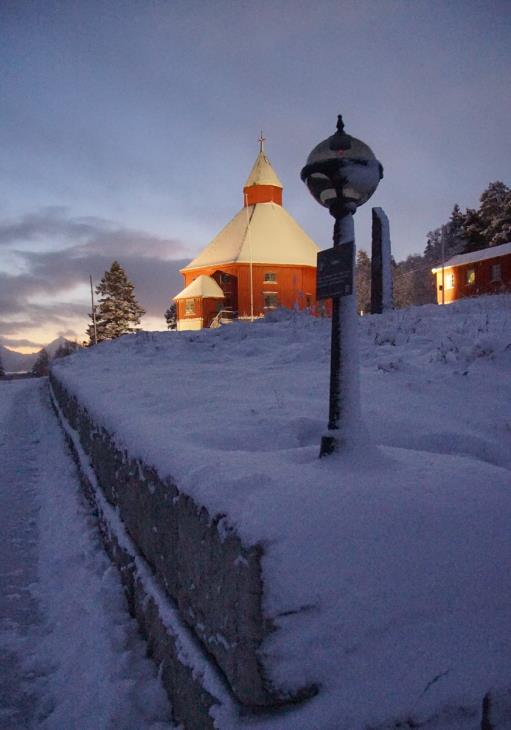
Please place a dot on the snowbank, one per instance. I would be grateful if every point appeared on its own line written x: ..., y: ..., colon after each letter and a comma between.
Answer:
x: 385, y: 569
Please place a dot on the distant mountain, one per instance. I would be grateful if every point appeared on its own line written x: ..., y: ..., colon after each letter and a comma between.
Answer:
x: 17, y: 362
x: 54, y: 345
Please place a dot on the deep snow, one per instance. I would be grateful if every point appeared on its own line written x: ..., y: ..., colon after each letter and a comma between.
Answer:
x: 386, y: 567
x: 70, y: 655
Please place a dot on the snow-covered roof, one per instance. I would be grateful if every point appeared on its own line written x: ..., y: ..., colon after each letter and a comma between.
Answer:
x: 262, y: 233
x: 202, y: 286
x: 468, y: 258
x: 263, y: 173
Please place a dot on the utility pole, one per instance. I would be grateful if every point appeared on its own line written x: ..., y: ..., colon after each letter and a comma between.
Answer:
x: 93, y: 311
x: 249, y: 218
x: 442, y: 247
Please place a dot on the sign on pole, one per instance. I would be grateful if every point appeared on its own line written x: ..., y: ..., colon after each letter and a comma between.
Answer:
x: 335, y: 272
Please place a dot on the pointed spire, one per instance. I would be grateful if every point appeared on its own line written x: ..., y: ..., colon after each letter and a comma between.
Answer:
x: 263, y: 184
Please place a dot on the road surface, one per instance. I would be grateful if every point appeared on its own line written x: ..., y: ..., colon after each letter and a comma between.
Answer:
x: 70, y: 655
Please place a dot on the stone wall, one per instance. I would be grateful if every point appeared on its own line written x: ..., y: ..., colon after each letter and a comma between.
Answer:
x: 213, y: 579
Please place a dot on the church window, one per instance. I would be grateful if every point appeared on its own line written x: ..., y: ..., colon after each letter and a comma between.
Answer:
x: 189, y: 306
x: 271, y: 300
x: 270, y: 276
x: 471, y: 276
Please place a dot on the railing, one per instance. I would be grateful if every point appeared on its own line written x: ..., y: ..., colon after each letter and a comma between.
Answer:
x: 224, y: 316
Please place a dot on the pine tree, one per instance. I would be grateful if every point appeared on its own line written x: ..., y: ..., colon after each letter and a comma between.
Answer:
x: 413, y: 282
x: 474, y: 231
x: 456, y: 235
x: 363, y: 281
x: 452, y: 236
x: 42, y: 364
x: 2, y: 371
x: 118, y: 311
x: 433, y: 250
x: 495, y: 213
x: 171, y: 317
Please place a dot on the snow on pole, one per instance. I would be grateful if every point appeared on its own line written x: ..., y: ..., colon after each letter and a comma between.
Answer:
x: 341, y: 173
x: 344, y: 411
x: 381, y: 270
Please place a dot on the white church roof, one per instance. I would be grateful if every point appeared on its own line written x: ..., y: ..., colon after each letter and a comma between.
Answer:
x: 263, y: 233
x: 202, y: 286
x: 263, y: 173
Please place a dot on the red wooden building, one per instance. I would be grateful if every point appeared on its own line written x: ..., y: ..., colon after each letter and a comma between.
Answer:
x: 481, y: 272
x: 261, y: 260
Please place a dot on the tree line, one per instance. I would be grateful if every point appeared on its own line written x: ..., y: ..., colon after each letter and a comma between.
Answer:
x: 464, y: 232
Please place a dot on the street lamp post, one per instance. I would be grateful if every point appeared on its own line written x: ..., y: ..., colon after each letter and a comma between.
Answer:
x: 341, y: 173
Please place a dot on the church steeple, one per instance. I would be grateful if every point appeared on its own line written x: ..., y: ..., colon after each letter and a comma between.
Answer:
x: 263, y: 184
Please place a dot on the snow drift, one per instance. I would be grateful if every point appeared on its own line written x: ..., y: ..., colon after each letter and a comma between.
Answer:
x: 385, y: 569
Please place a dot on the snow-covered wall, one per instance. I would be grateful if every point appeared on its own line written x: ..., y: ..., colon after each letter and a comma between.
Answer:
x: 380, y: 574
x: 213, y: 578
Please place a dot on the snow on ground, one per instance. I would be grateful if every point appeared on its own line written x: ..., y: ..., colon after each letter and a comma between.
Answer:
x: 387, y: 568
x: 71, y: 657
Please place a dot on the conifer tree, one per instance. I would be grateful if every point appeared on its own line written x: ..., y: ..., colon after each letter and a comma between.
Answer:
x: 2, y: 371
x: 474, y: 231
x: 171, y: 317
x: 118, y: 311
x: 413, y: 282
x: 42, y: 364
x: 455, y: 234
x: 363, y: 281
x: 495, y: 213
x: 452, y: 235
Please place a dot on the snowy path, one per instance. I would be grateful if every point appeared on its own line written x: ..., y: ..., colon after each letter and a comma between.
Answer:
x: 70, y: 656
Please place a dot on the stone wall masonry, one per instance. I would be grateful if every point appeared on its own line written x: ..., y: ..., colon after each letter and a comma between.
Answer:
x: 214, y: 579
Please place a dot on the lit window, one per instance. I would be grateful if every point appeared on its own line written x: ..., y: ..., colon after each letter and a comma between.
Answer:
x: 271, y: 300
x: 189, y: 306
x: 449, y: 281
x: 471, y: 276
x: 270, y: 276
x: 496, y: 272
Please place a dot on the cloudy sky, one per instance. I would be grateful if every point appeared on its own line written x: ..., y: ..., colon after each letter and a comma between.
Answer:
x: 129, y: 127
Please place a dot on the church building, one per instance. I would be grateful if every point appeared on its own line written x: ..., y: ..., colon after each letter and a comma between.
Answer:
x: 261, y: 260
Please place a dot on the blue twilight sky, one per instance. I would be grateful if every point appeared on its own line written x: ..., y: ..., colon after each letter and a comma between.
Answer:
x: 129, y: 127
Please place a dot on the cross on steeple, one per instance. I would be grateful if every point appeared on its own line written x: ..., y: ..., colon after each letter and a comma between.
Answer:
x: 261, y: 141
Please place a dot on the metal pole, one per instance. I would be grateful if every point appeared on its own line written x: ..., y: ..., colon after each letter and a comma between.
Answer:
x: 93, y: 311
x: 442, y: 246
x: 250, y: 264
x: 344, y: 403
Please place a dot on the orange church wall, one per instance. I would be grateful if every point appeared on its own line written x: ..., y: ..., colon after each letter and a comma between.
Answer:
x: 262, y: 194
x: 294, y: 285
x: 205, y: 309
